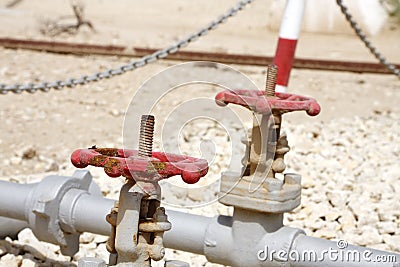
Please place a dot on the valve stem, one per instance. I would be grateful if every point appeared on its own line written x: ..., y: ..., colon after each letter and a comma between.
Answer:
x: 272, y: 72
x: 146, y: 136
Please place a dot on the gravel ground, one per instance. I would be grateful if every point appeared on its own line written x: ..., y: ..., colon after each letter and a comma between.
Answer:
x: 349, y: 164
x: 348, y: 156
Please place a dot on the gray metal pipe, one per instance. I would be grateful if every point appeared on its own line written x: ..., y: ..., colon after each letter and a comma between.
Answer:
x: 188, y: 231
x: 13, y: 199
x: 315, y: 252
x: 89, y: 214
x: 237, y: 241
x: 214, y: 237
x: 11, y: 227
x: 86, y: 213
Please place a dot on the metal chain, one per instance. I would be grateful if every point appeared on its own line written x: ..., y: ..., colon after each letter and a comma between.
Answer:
x: 364, y: 39
x: 72, y: 82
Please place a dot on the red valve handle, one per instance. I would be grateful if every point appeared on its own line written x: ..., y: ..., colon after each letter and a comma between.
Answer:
x: 258, y: 102
x: 117, y: 162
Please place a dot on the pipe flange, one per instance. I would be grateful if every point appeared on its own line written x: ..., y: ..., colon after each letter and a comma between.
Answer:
x: 44, y: 211
x: 272, y: 195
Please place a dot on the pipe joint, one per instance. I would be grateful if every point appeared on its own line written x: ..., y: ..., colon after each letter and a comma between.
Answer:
x: 50, y: 206
x: 247, y: 239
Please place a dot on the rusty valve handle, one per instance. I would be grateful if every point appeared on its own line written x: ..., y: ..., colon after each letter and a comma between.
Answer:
x: 258, y: 102
x: 117, y: 162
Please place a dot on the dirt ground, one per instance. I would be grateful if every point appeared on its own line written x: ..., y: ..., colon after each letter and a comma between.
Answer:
x: 94, y: 113
x: 54, y: 124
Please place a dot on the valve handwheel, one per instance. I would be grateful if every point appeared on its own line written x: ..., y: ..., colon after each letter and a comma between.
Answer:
x: 117, y: 162
x: 257, y: 101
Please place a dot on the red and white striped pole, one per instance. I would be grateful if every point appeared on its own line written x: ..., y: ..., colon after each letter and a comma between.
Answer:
x: 288, y: 36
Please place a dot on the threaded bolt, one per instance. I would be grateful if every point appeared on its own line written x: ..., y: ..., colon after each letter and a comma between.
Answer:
x: 272, y: 71
x: 146, y: 136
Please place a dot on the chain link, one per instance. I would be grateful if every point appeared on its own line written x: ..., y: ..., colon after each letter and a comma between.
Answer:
x: 365, y: 40
x: 160, y: 54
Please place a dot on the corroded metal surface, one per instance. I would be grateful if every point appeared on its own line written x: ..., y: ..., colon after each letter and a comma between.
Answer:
x: 124, y: 162
x: 270, y: 83
x: 258, y: 189
x: 146, y: 136
x: 256, y: 101
x: 228, y: 58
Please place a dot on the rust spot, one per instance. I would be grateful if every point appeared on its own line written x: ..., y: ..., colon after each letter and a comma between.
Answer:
x: 159, y: 166
x: 110, y: 164
x: 111, y: 152
x: 134, y: 239
x: 112, y: 219
x: 97, y: 160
